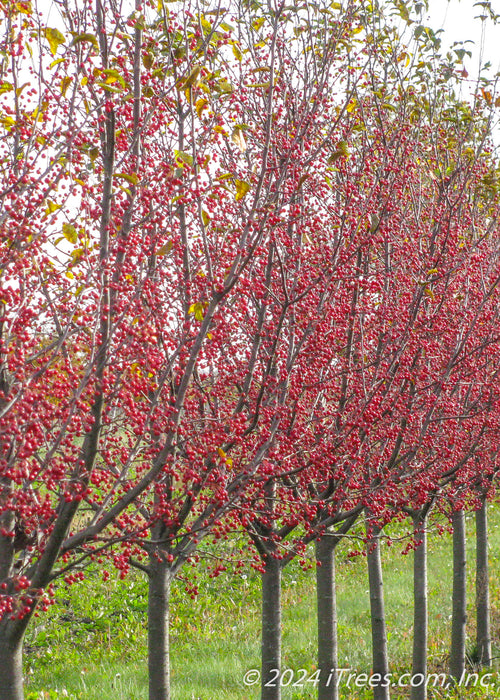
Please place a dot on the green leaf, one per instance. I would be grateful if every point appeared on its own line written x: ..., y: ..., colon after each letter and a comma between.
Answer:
x: 55, y: 39
x: 109, y: 88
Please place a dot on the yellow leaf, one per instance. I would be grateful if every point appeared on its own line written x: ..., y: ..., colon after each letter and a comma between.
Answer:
x: 39, y: 110
x: 80, y: 38
x: 224, y: 87
x: 132, y: 178
x: 24, y: 8
x: 55, y: 39
x: 77, y: 254
x: 351, y: 106
x: 20, y: 89
x: 207, y: 27
x: 242, y: 188
x: 238, y: 139
x: 341, y: 151
x: 236, y: 50
x: 191, y: 78
x: 198, y: 309
x: 7, y: 122
x: 56, y: 62
x: 113, y: 76
x: 205, y: 217
x: 201, y: 104
x: 182, y: 158
x: 51, y: 207
x: 165, y: 249
x: 487, y: 95
x: 404, y: 56
x: 65, y: 83
x: 69, y: 232
x: 204, y: 87
x: 257, y: 23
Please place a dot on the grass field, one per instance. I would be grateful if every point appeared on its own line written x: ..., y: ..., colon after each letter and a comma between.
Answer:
x: 92, y: 643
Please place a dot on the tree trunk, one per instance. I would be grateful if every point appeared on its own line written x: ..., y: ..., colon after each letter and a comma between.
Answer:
x: 419, y: 665
x: 483, y: 636
x: 327, y: 618
x: 379, y: 633
x: 271, y: 630
x: 160, y: 579
x: 11, y: 666
x: 459, y: 606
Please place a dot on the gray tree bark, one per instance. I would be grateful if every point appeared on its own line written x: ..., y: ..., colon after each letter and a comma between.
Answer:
x: 380, y: 654
x: 327, y: 619
x: 459, y: 605
x: 483, y: 634
x: 11, y: 666
x: 271, y: 630
x: 160, y: 579
x: 420, y: 615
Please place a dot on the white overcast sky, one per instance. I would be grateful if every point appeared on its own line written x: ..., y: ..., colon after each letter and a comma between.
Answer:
x: 455, y: 17
x: 459, y: 20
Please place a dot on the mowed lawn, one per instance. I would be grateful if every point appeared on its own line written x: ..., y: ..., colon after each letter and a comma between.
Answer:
x: 92, y: 642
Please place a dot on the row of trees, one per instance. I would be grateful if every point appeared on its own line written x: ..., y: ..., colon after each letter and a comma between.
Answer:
x: 249, y: 278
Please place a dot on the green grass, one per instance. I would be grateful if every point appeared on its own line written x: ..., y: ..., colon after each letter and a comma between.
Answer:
x: 92, y: 643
